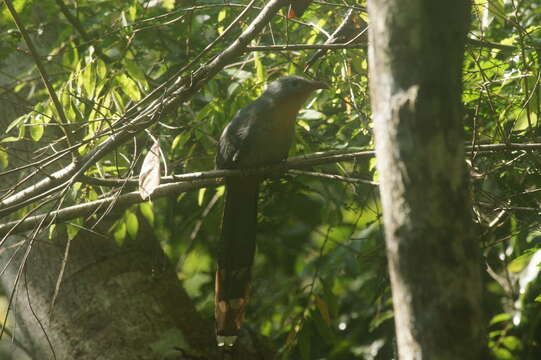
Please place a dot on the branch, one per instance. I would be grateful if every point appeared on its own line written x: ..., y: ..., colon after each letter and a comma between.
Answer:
x: 146, y: 112
x: 80, y: 29
x: 213, y: 178
x: 288, y: 47
x: 489, y: 44
x: 42, y: 72
x: 85, y: 209
x: 360, y: 45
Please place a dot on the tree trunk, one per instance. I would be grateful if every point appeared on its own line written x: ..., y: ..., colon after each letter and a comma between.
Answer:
x: 114, y: 302
x: 416, y: 53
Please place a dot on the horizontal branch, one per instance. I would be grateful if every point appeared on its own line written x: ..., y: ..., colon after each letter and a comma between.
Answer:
x: 80, y: 210
x: 360, y: 45
x: 196, y: 180
x: 290, y: 47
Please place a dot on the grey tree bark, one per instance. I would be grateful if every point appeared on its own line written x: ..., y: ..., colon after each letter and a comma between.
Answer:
x: 114, y: 302
x: 416, y: 53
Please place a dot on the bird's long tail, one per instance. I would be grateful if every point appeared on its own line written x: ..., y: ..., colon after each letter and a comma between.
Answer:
x: 235, y: 256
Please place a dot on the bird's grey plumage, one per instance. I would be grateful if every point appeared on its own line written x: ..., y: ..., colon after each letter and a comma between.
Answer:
x: 245, y: 141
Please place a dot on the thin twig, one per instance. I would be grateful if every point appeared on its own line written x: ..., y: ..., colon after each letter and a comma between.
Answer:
x: 80, y: 29
x: 333, y: 177
x: 212, y: 178
x: 359, y: 45
x: 44, y: 77
x: 290, y: 47
x: 148, y: 111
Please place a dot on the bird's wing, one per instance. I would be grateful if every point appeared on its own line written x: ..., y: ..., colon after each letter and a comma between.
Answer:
x: 236, y: 141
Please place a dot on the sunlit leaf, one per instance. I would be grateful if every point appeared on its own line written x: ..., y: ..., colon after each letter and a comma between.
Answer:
x: 4, y: 159
x: 512, y: 343
x: 180, y: 140
x: 147, y: 209
x: 168, y: 4
x: 101, y: 69
x: 17, y: 122
x: 500, y: 318
x: 129, y: 87
x: 120, y: 232
x: 36, y: 129
x: 259, y: 69
x: 132, y: 224
x: 518, y: 264
x: 201, y: 196
x: 89, y: 80
x: 73, y: 228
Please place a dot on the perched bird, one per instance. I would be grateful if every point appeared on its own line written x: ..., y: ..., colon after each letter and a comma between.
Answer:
x: 352, y: 29
x: 259, y: 134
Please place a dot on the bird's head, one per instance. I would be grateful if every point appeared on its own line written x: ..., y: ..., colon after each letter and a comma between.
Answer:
x: 294, y: 87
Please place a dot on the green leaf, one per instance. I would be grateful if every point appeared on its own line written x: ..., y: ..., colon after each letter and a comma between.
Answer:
x: 10, y: 139
x: 89, y: 80
x: 132, y: 12
x: 73, y: 228
x: 303, y: 124
x: 502, y: 354
x: 147, y: 209
x: 221, y: 15
x: 134, y: 71
x: 132, y: 224
x: 500, y: 318
x: 168, y: 4
x: 538, y: 298
x: 522, y: 122
x: 201, y: 196
x: 181, y: 140
x: 18, y: 122
x: 117, y: 99
x: 197, y: 261
x: 101, y: 69
x: 56, y: 229
x: 259, y: 69
x: 4, y: 159
x: 512, y: 343
x: 70, y: 56
x: 36, y: 129
x: 129, y: 87
x: 519, y: 263
x: 18, y: 5
x: 380, y: 319
x: 120, y: 232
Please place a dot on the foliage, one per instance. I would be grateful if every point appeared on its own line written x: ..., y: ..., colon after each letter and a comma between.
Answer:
x: 320, y: 285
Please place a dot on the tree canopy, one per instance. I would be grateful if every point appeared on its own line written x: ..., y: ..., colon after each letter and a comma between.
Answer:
x: 103, y: 80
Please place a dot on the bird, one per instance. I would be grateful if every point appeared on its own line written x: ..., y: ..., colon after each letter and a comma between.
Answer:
x: 259, y: 134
